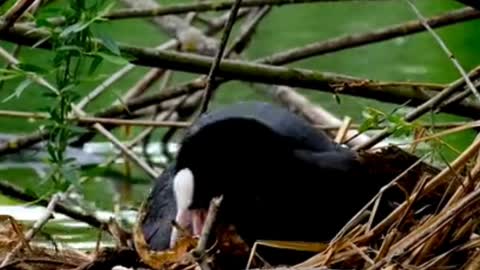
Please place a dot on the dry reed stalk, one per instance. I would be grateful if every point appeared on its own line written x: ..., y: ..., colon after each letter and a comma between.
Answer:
x: 390, y: 238
x: 428, y: 229
x: 437, y: 260
x: 430, y: 186
x: 474, y: 263
x: 362, y: 253
x: 342, y: 132
x: 92, y: 120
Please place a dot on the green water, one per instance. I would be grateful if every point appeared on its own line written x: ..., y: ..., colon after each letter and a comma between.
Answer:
x: 412, y: 58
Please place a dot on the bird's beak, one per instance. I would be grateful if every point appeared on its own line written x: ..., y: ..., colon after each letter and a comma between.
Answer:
x: 189, y: 221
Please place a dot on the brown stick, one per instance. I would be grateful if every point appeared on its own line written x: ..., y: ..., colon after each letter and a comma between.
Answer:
x: 203, y: 6
x: 240, y: 70
x: 15, y: 13
x: 90, y: 120
x: 445, y: 49
x: 241, y: 41
x: 223, y: 43
x: 361, y: 39
x: 199, y: 251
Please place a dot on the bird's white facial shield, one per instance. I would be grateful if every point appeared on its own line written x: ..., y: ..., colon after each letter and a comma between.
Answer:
x: 193, y: 220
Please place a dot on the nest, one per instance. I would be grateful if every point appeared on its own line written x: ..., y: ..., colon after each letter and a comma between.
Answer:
x: 434, y: 226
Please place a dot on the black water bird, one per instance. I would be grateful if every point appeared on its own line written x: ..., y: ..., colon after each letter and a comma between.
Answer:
x: 280, y: 178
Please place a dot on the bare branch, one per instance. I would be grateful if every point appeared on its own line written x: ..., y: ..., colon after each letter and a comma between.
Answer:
x: 223, y: 43
x: 361, y: 39
x: 204, y: 6
x: 446, y: 50
x: 191, y: 39
x: 424, y: 108
x: 247, y: 31
x: 92, y: 120
x: 15, y: 13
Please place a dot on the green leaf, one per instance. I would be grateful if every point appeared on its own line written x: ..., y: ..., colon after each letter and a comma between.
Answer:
x: 96, y: 61
x: 19, y: 90
x: 113, y: 59
x: 74, y: 28
x: 108, y: 42
x: 337, y: 99
x: 71, y: 176
x: 30, y: 192
x: 70, y: 48
x: 32, y: 68
x: 51, y: 152
x: 78, y: 130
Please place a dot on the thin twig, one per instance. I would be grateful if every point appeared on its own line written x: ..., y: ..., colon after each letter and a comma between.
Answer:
x: 121, y: 73
x: 37, y: 226
x: 199, y: 251
x: 201, y: 7
x: 143, y: 84
x: 219, y: 56
x: 247, y: 31
x: 342, y: 132
x: 446, y: 50
x: 14, y: 192
x: 424, y: 108
x: 15, y: 13
x: 254, y: 72
x: 130, y: 154
x: 343, y: 43
x: 361, y: 39
x: 456, y: 165
x: 348, y: 225
x: 91, y: 120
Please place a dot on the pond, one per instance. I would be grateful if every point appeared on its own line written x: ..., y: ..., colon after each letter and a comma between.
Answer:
x: 412, y: 58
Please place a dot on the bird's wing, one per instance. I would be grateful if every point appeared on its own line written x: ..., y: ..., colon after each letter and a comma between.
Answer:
x: 336, y: 161
x: 159, y: 211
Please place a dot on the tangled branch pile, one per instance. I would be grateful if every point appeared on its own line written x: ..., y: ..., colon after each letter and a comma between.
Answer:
x: 433, y: 227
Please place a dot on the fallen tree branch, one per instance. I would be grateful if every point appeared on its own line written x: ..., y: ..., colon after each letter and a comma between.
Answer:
x: 203, y: 6
x: 465, y: 108
x: 241, y: 70
x: 91, y: 120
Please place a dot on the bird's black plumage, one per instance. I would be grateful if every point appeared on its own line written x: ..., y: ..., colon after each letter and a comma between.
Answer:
x: 280, y: 178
